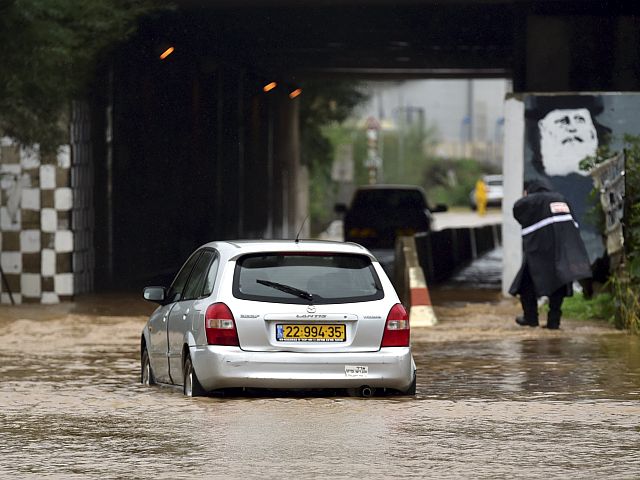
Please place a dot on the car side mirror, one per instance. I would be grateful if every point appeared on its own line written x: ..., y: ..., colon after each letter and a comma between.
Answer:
x: 155, y: 294
x: 340, y: 208
x: 440, y: 207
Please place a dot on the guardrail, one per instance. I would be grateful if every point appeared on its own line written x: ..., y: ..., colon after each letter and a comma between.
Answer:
x: 444, y: 252
x: 411, y: 284
x: 430, y: 258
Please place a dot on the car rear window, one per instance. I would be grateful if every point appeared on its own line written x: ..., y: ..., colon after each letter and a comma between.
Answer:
x: 389, y: 199
x: 317, y: 278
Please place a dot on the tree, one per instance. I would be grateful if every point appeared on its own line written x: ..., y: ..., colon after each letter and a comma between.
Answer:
x: 323, y: 103
x: 50, y: 51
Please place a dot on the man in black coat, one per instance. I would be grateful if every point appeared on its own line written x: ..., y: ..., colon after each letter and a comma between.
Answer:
x: 554, y: 254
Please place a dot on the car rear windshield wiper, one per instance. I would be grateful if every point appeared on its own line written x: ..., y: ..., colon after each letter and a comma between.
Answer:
x: 286, y: 288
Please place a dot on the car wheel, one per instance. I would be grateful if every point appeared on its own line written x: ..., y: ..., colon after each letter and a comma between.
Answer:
x: 412, y: 388
x: 146, y: 374
x: 192, y: 387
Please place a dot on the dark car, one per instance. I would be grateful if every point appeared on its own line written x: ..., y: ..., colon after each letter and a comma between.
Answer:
x: 380, y: 213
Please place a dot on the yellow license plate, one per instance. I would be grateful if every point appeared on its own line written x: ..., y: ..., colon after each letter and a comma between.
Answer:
x: 307, y: 332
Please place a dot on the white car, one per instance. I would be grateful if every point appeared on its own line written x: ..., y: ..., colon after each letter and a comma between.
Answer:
x: 279, y: 314
x: 495, y: 192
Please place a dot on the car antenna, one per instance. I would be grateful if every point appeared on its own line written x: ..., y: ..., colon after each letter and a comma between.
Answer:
x: 298, y: 234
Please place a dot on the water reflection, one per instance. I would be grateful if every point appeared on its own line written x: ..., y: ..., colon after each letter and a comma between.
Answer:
x: 607, y: 366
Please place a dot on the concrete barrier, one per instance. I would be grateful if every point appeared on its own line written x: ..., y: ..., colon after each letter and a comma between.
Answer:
x: 411, y: 284
x: 442, y: 253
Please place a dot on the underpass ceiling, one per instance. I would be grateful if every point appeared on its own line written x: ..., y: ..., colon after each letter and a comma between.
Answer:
x: 407, y: 40
x: 376, y: 38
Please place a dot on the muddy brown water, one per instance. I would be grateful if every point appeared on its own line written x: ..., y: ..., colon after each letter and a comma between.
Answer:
x: 494, y: 401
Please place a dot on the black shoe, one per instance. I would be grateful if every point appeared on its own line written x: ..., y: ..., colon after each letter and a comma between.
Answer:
x: 553, y: 319
x: 523, y: 322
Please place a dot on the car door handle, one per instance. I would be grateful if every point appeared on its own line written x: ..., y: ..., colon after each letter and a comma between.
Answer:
x: 184, y: 317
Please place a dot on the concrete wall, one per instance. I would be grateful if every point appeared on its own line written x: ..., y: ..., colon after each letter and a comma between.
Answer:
x: 512, y: 170
x: 199, y: 152
x: 537, y: 146
x: 158, y: 164
x: 443, y: 253
x: 36, y: 237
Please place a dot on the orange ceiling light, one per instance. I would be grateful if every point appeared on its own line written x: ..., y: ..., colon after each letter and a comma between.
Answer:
x: 166, y: 53
x: 269, y: 86
x: 295, y: 93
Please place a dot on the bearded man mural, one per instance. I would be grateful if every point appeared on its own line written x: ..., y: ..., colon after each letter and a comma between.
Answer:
x: 566, y: 137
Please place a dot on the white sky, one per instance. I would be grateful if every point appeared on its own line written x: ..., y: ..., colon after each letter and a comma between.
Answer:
x: 445, y: 103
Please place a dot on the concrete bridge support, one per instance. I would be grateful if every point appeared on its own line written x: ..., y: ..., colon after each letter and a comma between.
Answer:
x: 195, y: 157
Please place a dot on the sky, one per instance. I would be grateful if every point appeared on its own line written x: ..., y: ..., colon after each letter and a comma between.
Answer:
x: 445, y: 104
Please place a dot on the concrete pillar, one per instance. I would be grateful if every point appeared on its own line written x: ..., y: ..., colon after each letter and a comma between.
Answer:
x: 288, y: 169
x: 36, y: 240
x: 513, y: 171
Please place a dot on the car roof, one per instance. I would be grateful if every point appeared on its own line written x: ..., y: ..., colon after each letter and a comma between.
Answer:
x: 492, y: 177
x: 235, y: 248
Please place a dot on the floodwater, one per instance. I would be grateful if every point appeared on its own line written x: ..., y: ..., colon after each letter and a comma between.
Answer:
x: 494, y: 401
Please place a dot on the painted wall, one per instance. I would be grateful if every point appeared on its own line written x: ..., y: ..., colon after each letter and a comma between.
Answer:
x: 36, y: 239
x: 547, y: 135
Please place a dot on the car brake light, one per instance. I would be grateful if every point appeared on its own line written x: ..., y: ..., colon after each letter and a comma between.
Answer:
x: 220, y: 326
x: 396, y: 331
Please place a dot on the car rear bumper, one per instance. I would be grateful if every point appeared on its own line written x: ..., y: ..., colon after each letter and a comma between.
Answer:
x: 230, y: 367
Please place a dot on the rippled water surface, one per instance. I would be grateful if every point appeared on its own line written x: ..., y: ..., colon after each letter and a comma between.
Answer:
x: 494, y: 401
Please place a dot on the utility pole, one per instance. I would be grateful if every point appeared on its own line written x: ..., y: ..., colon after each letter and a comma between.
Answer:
x: 373, y: 161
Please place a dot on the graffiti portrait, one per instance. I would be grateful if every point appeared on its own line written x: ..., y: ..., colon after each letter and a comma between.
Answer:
x: 566, y: 137
x: 561, y: 130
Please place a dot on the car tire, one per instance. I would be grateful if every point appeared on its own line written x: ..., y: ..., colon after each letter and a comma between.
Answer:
x: 191, y: 385
x: 146, y: 374
x: 412, y: 388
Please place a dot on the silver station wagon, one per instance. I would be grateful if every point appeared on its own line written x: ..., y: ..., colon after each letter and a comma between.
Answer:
x: 279, y: 314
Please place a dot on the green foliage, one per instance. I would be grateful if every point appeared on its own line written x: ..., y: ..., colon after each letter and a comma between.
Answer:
x: 50, y: 50
x: 324, y: 105
x: 406, y: 153
x: 624, y: 283
x: 450, y: 181
x: 626, y: 294
x: 408, y: 159
x: 599, y: 307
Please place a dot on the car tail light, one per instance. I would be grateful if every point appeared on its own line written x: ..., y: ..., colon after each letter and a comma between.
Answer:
x: 396, y: 330
x: 220, y: 325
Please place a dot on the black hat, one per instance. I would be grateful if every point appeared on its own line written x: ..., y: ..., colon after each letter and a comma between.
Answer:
x: 538, y: 185
x: 537, y: 106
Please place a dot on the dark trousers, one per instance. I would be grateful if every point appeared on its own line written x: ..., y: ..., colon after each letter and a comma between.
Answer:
x: 529, y: 301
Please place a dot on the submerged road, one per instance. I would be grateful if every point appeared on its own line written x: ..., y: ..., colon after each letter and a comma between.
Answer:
x: 494, y: 401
